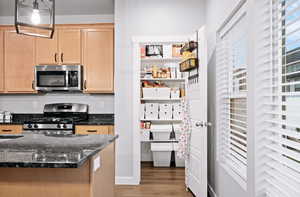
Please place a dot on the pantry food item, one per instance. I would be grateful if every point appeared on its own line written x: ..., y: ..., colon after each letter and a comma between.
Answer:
x: 176, y: 50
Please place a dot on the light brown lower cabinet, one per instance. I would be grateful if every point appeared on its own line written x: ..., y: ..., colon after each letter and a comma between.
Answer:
x: 10, y: 129
x: 86, y: 181
x: 94, y: 129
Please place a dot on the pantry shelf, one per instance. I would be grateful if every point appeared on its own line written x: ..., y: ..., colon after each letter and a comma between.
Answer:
x: 163, y: 79
x: 162, y: 121
x: 161, y: 59
x: 160, y: 141
x: 161, y: 99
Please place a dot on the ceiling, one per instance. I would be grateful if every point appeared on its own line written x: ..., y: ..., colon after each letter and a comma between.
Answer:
x: 68, y: 7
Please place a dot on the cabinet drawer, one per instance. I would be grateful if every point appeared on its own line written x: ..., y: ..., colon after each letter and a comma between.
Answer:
x: 91, y: 129
x: 111, y: 130
x: 10, y: 129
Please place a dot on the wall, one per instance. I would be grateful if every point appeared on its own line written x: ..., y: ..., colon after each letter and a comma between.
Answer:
x: 143, y: 18
x: 35, y: 103
x: 221, y: 182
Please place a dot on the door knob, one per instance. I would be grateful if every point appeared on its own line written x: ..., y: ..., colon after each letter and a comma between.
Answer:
x: 199, y: 124
x: 208, y: 124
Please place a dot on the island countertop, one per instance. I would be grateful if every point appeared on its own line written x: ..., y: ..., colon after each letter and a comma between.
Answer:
x: 42, y: 151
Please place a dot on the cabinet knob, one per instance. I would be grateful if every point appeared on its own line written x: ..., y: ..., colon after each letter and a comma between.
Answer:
x: 32, y: 85
x: 62, y: 57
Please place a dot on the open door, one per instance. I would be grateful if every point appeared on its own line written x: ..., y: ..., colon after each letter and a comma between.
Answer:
x: 196, y: 168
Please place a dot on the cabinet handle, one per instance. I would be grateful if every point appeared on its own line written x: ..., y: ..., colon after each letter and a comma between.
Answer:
x: 92, y: 131
x: 62, y: 57
x: 55, y: 57
x: 32, y: 85
x: 84, y: 84
x: 6, y: 130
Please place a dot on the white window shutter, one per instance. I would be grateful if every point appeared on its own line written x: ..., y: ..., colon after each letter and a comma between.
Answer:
x: 231, y: 93
x: 278, y: 75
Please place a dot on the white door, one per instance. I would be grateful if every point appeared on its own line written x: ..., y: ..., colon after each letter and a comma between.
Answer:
x: 196, y: 170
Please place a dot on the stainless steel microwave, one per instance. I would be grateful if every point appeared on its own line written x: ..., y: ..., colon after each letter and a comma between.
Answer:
x: 58, y: 78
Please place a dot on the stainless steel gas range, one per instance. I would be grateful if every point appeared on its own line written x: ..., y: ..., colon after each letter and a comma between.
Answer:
x: 59, y: 118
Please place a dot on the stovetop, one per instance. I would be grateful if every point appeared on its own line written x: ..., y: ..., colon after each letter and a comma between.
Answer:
x: 55, y: 120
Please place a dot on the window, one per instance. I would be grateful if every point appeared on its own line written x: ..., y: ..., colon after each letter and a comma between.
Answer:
x: 232, y: 97
x: 278, y: 73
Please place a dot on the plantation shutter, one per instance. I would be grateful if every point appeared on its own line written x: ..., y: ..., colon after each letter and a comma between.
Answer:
x: 278, y: 85
x: 231, y: 93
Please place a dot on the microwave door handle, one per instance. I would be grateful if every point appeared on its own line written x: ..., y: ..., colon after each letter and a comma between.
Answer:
x: 55, y: 57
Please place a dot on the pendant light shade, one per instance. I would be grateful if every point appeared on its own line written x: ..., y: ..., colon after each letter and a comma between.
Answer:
x: 35, y: 17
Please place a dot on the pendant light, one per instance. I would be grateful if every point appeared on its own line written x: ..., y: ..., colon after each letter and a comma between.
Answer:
x: 35, y: 17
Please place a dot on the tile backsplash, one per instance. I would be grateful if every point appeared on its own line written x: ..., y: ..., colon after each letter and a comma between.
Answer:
x: 35, y: 103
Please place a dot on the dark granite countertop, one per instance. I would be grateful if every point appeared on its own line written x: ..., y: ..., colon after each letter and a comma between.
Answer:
x: 41, y: 151
x: 93, y: 119
x: 98, y: 119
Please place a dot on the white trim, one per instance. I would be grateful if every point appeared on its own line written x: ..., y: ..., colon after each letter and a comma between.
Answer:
x: 211, y: 191
x: 136, y: 65
x: 239, y: 180
x: 68, y: 19
x: 120, y: 180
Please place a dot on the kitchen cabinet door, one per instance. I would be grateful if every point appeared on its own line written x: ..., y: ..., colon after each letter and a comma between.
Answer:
x: 47, y: 50
x: 1, y: 61
x: 19, y: 61
x: 69, y: 46
x: 11, y: 129
x: 91, y: 129
x: 98, y: 60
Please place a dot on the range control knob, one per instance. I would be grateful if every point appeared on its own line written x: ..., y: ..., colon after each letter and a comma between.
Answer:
x: 29, y: 126
x: 35, y: 126
x: 64, y: 126
x: 58, y: 126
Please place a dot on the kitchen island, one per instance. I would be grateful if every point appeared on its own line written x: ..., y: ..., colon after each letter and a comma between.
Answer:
x: 39, y: 165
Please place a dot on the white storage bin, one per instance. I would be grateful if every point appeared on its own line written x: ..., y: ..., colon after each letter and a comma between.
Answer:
x: 166, y: 107
x: 178, y: 162
x: 151, y: 107
x: 161, y: 154
x: 175, y: 93
x: 165, y: 115
x: 161, y: 135
x: 145, y: 135
x: 161, y: 127
x: 151, y: 115
x: 163, y: 93
x: 149, y: 92
x: 177, y: 107
x: 177, y: 115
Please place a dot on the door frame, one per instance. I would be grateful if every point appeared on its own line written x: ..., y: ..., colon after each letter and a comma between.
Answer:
x: 136, y: 69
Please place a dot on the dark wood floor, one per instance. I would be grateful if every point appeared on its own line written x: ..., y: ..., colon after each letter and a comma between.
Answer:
x: 157, y: 182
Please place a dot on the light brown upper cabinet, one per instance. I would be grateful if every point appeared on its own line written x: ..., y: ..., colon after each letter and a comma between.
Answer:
x: 1, y: 61
x: 64, y: 48
x: 98, y: 59
x: 19, y: 61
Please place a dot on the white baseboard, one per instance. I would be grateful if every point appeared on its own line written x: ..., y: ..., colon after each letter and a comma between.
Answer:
x: 211, y: 191
x: 120, y: 180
